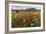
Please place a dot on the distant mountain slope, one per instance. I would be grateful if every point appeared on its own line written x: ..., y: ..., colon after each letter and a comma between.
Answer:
x: 32, y: 9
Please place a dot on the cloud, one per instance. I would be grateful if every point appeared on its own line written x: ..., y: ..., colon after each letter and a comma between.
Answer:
x: 24, y: 6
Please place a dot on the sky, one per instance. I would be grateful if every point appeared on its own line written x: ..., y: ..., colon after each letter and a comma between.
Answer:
x: 24, y: 6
